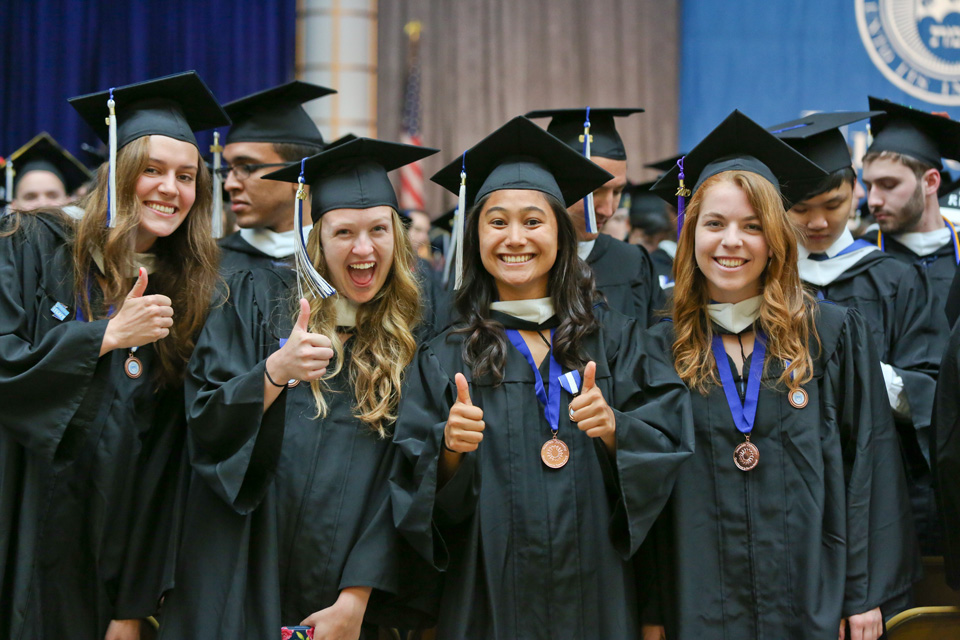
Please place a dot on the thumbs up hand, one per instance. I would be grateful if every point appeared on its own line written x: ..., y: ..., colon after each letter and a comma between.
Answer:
x: 141, y: 320
x: 305, y: 355
x: 464, y: 429
x: 591, y: 412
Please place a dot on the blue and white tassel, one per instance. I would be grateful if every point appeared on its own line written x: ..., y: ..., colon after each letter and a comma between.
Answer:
x: 307, y: 276
x: 112, y: 179
x: 216, y: 223
x: 589, y: 214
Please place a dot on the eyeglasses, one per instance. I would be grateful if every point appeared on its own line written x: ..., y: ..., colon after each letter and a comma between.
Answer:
x: 243, y: 171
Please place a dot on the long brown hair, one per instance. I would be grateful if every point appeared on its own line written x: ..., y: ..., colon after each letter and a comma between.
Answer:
x: 785, y: 311
x: 383, y: 340
x: 186, y: 260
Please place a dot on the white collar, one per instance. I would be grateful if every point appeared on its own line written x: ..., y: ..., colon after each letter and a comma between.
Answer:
x: 537, y: 310
x: 923, y: 243
x: 823, y: 272
x: 584, y: 248
x: 841, y: 243
x: 735, y: 316
x: 146, y: 260
x: 346, y: 311
x: 276, y: 245
x: 669, y: 247
x: 73, y: 211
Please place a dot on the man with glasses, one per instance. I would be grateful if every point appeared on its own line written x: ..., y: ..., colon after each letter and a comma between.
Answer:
x: 270, y: 130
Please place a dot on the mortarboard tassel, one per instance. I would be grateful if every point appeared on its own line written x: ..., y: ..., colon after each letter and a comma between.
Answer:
x: 8, y: 183
x: 682, y: 194
x: 589, y: 214
x: 112, y: 179
x: 306, y: 272
x: 216, y: 223
x: 458, y: 224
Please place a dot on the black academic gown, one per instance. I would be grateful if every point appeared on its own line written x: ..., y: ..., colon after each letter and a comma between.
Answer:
x: 236, y: 254
x: 946, y: 455
x: 662, y: 266
x: 285, y: 510
x: 528, y: 551
x: 625, y: 276
x: 819, y: 530
x: 90, y: 460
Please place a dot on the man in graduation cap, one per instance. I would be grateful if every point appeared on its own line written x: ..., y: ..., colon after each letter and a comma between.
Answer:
x: 652, y: 226
x: 624, y: 273
x: 44, y: 174
x: 892, y: 296
x: 901, y: 172
x: 270, y: 130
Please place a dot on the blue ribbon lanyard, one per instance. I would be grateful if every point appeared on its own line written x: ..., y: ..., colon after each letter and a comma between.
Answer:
x: 551, y: 404
x: 744, y: 415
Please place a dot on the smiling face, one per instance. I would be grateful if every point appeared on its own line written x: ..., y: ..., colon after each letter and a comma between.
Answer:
x: 166, y: 190
x: 731, y: 250
x: 822, y: 218
x: 606, y: 199
x: 358, y: 246
x: 518, y: 242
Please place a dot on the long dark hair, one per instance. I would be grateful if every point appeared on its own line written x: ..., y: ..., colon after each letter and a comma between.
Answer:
x: 571, y: 287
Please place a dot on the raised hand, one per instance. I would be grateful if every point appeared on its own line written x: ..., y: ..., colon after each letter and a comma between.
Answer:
x: 591, y: 412
x: 305, y: 356
x: 141, y: 320
x: 464, y: 429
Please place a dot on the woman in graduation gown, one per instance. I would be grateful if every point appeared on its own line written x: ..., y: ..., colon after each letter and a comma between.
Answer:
x: 529, y: 492
x: 289, y: 513
x: 97, y: 321
x: 791, y: 520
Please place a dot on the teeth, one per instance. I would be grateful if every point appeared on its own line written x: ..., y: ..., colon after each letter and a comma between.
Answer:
x: 363, y: 265
x: 516, y: 259
x: 728, y: 262
x: 162, y: 208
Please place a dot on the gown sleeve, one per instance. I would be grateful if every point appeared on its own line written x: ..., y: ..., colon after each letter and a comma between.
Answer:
x: 234, y: 444
x: 882, y: 554
x: 946, y: 455
x: 47, y: 378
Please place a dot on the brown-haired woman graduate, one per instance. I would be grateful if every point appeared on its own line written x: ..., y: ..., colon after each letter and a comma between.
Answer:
x: 97, y: 321
x: 791, y: 520
x: 538, y: 438
x: 291, y: 397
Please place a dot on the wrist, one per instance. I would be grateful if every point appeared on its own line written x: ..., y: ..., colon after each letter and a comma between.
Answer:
x: 355, y: 597
x: 274, y: 373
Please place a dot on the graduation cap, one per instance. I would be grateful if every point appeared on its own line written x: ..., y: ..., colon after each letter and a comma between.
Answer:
x: 173, y: 106
x: 926, y: 137
x: 43, y: 153
x: 740, y: 144
x: 352, y: 175
x: 818, y: 137
x: 345, y: 138
x: 518, y: 155
x: 646, y: 209
x: 276, y: 115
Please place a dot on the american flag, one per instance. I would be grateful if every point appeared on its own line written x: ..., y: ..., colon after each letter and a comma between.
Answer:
x: 411, y: 175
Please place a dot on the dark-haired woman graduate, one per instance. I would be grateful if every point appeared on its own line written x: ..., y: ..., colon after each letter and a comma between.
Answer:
x: 97, y: 320
x: 289, y: 511
x: 791, y: 520
x: 538, y: 438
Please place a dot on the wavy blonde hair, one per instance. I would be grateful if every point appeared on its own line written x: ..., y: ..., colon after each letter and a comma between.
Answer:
x: 785, y: 311
x: 383, y: 341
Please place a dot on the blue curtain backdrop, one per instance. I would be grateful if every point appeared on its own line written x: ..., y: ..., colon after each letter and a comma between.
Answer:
x: 51, y: 50
x: 774, y: 60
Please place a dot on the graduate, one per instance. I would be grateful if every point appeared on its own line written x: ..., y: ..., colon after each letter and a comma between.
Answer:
x: 97, y: 320
x: 791, y: 520
x: 44, y: 174
x: 946, y: 455
x: 291, y: 397
x: 892, y: 296
x: 623, y: 273
x: 538, y: 439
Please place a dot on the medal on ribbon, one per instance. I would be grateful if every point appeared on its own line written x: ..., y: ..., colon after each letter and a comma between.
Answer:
x: 746, y: 456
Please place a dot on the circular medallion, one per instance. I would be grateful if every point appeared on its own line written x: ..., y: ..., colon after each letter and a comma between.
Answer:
x: 133, y: 367
x: 798, y: 399
x: 746, y: 456
x: 292, y: 382
x: 554, y: 453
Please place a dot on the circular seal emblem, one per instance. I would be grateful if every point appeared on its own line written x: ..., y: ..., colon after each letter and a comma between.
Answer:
x: 915, y: 44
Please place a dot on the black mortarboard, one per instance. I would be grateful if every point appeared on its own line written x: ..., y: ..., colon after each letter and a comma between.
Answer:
x: 173, y: 106
x: 818, y: 137
x: 43, y: 153
x: 345, y: 138
x: 647, y: 211
x: 740, y: 144
x: 924, y: 136
x: 353, y: 175
x: 664, y: 165
x: 276, y: 115
x: 444, y: 221
x: 521, y: 155
x: 568, y: 125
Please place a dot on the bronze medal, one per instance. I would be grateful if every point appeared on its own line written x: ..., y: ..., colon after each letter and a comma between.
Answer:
x: 133, y: 367
x: 798, y: 399
x: 746, y: 455
x: 554, y: 452
x: 292, y: 382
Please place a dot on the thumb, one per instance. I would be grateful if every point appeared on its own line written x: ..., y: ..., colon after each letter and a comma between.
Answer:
x: 140, y: 285
x: 590, y: 376
x: 463, y: 390
x: 304, y: 318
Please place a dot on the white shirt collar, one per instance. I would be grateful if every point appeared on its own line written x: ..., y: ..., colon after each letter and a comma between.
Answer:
x: 584, y: 248
x: 276, y: 245
x: 923, y: 243
x: 735, y: 316
x: 841, y: 243
x: 669, y: 247
x: 146, y: 260
x: 537, y: 310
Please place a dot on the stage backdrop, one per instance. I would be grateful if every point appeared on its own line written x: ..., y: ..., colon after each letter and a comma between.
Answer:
x: 776, y: 60
x: 51, y: 50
